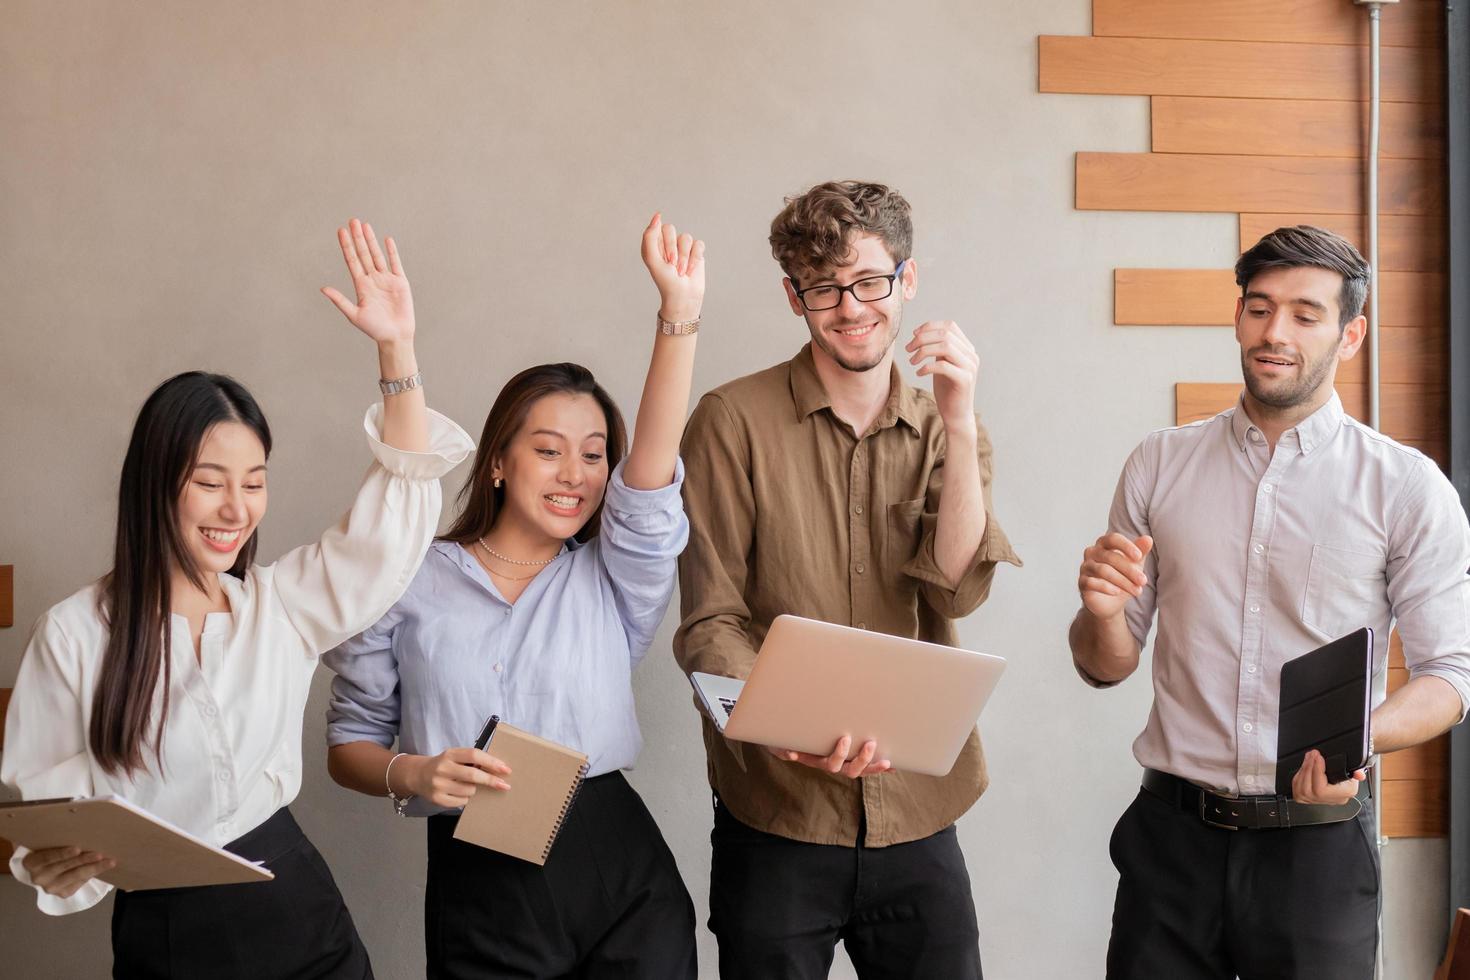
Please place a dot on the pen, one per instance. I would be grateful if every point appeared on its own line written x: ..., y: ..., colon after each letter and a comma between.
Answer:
x: 487, y: 731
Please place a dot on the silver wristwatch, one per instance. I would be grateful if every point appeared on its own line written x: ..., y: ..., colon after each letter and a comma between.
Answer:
x: 401, y: 384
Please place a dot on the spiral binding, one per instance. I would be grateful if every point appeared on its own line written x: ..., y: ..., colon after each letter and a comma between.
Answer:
x: 566, y: 809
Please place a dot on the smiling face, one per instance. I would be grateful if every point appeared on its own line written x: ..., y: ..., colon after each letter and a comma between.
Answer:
x: 854, y: 335
x: 1291, y: 337
x: 224, y: 496
x: 555, y: 468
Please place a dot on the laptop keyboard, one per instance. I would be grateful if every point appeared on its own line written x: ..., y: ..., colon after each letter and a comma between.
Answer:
x: 728, y: 704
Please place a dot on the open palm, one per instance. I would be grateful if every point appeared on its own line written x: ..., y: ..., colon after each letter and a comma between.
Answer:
x: 384, y: 307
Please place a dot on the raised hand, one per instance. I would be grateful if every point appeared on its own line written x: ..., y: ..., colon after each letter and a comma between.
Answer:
x: 942, y: 350
x: 1112, y: 573
x: 676, y: 263
x: 384, y: 307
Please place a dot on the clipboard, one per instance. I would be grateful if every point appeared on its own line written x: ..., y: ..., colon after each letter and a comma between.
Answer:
x: 1326, y: 704
x: 150, y: 853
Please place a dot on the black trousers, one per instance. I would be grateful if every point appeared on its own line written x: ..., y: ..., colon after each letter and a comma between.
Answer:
x: 292, y: 928
x: 609, y: 903
x: 1196, y: 901
x: 778, y: 907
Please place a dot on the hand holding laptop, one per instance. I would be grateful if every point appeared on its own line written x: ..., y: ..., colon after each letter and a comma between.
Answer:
x: 838, y: 763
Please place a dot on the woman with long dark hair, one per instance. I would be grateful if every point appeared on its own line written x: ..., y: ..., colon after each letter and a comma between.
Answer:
x: 536, y: 606
x: 178, y: 681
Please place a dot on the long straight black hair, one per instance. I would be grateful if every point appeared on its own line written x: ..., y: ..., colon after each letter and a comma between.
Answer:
x: 136, y: 596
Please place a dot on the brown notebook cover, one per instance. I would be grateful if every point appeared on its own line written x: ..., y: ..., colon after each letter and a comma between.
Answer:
x: 524, y: 820
x: 150, y: 853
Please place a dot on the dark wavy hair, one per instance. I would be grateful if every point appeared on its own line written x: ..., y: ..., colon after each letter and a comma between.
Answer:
x: 1318, y: 248
x: 814, y: 230
x: 479, y: 500
x: 136, y: 595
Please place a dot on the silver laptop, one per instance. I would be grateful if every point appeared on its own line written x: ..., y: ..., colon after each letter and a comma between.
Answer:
x: 814, y: 682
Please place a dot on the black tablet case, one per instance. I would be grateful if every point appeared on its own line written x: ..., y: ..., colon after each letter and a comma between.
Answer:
x: 1325, y: 704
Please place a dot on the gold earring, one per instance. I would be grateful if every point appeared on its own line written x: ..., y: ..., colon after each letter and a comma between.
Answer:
x: 498, y: 482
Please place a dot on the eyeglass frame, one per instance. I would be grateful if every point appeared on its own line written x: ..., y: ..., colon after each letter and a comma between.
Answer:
x: 849, y: 288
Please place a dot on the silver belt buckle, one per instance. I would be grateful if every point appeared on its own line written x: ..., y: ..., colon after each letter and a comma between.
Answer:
x: 1205, y: 807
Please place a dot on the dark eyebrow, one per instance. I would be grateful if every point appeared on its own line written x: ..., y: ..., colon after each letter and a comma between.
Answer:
x: 860, y: 274
x: 558, y: 435
x: 1298, y: 301
x: 216, y: 466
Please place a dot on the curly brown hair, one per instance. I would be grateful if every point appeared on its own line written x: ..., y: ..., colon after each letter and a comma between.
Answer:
x: 814, y: 231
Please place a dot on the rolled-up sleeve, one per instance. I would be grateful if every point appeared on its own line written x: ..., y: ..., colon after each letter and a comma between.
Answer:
x: 348, y: 579
x: 957, y: 600
x: 365, y: 702
x: 1429, y: 579
x: 46, y: 746
x: 642, y: 535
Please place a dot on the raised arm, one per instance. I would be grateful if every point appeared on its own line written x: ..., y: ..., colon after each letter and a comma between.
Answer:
x: 384, y: 311
x: 676, y: 263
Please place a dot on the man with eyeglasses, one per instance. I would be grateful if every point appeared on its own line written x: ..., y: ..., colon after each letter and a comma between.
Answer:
x: 829, y: 488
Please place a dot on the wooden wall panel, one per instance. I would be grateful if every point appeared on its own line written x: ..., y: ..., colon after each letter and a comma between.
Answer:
x: 5, y: 848
x: 1212, y: 182
x: 7, y: 595
x: 1409, y: 412
x: 1415, y: 808
x: 1206, y: 298
x: 1231, y: 69
x: 1411, y: 23
x: 1428, y: 761
x: 1278, y: 127
x: 1406, y: 242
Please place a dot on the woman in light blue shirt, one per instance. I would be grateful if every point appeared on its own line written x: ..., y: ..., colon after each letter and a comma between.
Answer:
x: 536, y: 607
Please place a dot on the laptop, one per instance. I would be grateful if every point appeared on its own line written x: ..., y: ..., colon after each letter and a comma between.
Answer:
x: 814, y: 682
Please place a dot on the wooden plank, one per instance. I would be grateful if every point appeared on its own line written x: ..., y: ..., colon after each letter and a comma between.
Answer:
x: 5, y: 848
x: 1207, y: 297
x: 1213, y: 182
x: 1280, y: 127
x: 7, y: 595
x: 1406, y: 243
x: 1415, y: 808
x: 1408, y: 411
x: 1437, y: 450
x: 1427, y: 761
x: 1409, y: 355
x: 1414, y: 23
x: 1232, y: 69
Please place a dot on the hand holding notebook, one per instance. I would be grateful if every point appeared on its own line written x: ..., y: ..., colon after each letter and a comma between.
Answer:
x: 524, y: 820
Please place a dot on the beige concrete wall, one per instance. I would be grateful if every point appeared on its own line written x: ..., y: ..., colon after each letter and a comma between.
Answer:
x: 170, y: 177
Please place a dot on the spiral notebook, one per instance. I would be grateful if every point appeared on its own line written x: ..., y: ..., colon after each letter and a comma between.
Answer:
x: 524, y: 820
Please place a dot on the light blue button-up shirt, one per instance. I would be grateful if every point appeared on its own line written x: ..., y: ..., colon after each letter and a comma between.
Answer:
x: 558, y: 662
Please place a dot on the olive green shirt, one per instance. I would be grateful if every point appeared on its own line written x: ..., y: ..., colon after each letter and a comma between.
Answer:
x: 791, y: 512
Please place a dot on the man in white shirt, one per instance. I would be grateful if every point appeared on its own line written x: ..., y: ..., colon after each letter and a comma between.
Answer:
x: 1257, y: 536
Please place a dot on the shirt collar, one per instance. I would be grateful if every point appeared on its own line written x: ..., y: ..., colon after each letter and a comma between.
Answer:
x: 809, y: 395
x: 1313, y: 431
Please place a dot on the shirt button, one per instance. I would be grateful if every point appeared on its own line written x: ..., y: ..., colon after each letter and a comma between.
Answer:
x: 1255, y: 608
x: 1247, y: 728
x: 222, y: 776
x: 1267, y: 488
x: 861, y: 568
x: 499, y: 668
x: 507, y: 612
x: 210, y: 710
x: 858, y: 509
x: 1251, y: 669
x: 1255, y: 436
x: 1258, y: 549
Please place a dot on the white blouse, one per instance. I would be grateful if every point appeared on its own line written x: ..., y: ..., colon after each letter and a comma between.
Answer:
x: 232, y: 740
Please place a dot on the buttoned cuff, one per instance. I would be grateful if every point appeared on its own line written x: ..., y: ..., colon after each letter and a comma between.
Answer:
x: 449, y: 445
x: 965, y: 596
x: 624, y: 500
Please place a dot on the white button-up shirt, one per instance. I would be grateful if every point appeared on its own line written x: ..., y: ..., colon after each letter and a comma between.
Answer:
x: 1260, y: 557
x: 232, y: 740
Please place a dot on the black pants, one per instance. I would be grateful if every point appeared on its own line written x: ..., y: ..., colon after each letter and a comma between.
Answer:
x: 778, y: 907
x: 294, y: 926
x: 1196, y: 901
x: 608, y: 903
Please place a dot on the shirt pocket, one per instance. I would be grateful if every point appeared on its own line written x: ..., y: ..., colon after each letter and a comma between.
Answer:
x: 1346, y: 589
x: 902, y: 532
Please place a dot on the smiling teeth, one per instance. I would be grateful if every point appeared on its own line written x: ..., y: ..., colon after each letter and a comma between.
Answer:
x: 224, y: 537
x: 855, y: 331
x: 560, y: 501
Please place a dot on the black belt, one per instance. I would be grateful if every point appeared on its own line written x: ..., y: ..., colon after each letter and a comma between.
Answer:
x: 1249, y: 812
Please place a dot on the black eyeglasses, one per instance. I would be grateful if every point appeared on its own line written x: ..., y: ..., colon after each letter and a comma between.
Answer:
x: 866, y: 290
